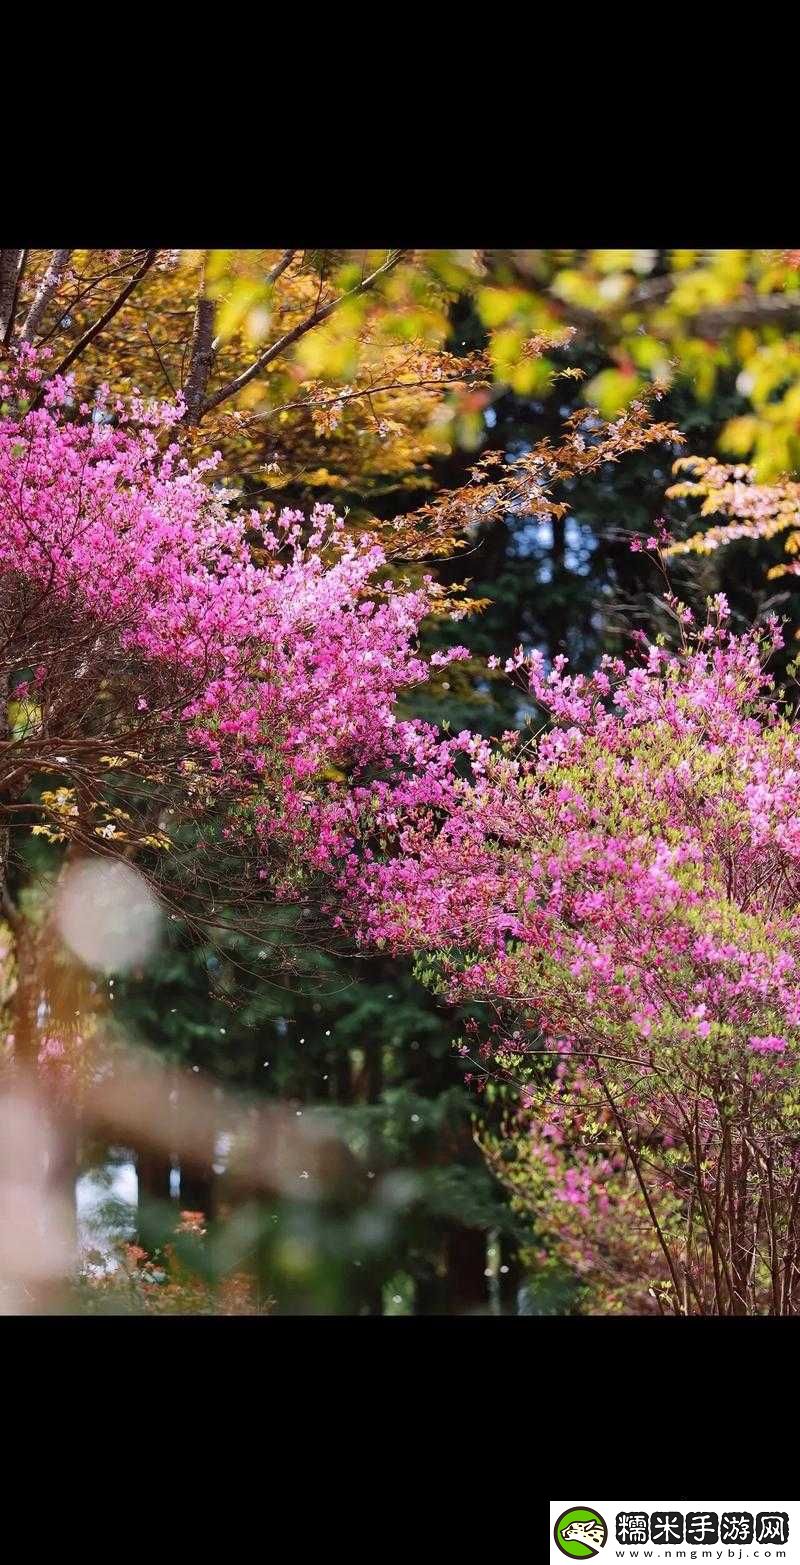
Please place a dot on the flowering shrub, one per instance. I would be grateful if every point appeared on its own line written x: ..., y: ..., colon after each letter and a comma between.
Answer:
x: 621, y: 892
x: 167, y: 659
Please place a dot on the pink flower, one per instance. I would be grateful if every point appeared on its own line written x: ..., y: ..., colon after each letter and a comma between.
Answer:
x: 768, y: 1045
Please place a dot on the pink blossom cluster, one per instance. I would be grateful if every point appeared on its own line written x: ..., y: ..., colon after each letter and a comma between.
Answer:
x: 274, y: 645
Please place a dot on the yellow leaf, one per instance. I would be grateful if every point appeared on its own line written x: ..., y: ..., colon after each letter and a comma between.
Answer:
x: 611, y: 391
x: 237, y: 307
x: 498, y: 305
x: 24, y: 718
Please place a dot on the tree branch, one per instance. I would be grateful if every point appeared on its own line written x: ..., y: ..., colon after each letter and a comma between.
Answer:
x: 281, y: 265
x: 754, y: 310
x: 271, y: 277
x: 775, y: 309
x: 108, y: 315
x: 44, y: 294
x: 635, y: 1164
x: 315, y: 319
x: 372, y: 391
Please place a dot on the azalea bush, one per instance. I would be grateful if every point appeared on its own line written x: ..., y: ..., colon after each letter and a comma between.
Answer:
x: 182, y: 678
x: 618, y: 891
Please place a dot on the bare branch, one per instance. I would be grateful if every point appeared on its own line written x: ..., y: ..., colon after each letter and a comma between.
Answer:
x: 435, y: 384
x: 281, y: 265
x: 165, y: 372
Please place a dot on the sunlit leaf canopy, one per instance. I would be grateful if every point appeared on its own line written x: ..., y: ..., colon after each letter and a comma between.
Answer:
x: 354, y: 375
x: 660, y: 317
x: 365, y: 397
x: 655, y: 316
x: 351, y: 375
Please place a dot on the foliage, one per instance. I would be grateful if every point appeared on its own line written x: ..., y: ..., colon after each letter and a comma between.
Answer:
x: 750, y: 510
x: 318, y: 370
x: 703, y: 317
x: 169, y: 1282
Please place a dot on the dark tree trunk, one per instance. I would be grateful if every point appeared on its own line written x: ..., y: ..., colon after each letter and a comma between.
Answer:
x: 371, y: 1086
x: 510, y: 1281
x: 430, y: 1286
x: 198, y: 1182
x: 10, y: 268
x: 197, y: 1193
x: 200, y: 356
x: 342, y: 1076
x: 465, y: 1259
x: 153, y: 1169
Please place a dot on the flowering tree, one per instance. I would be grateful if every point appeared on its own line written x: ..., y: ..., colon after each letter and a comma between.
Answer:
x: 620, y: 890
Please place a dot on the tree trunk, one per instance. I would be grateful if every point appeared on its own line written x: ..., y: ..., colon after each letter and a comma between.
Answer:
x: 510, y: 1281
x: 342, y: 1077
x: 430, y: 1288
x: 44, y: 293
x: 200, y: 356
x: 153, y: 1170
x: 198, y: 1182
x: 371, y: 1087
x: 10, y: 267
x: 465, y: 1259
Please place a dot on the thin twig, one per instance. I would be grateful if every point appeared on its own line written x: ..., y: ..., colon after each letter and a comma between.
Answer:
x: 108, y: 315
